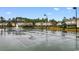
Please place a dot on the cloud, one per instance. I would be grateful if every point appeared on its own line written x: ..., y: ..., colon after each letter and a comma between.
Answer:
x: 8, y: 13
x: 69, y: 8
x: 57, y: 9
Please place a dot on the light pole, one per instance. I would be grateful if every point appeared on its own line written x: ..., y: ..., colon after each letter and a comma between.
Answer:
x: 46, y: 25
x: 42, y: 24
x: 75, y: 8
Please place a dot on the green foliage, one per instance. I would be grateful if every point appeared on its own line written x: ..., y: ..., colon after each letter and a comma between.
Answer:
x: 21, y: 19
x: 2, y: 19
x: 52, y: 20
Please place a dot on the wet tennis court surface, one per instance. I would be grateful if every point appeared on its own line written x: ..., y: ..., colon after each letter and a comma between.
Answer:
x: 37, y: 40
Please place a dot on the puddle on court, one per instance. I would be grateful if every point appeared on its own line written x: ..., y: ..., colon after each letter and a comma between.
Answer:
x: 37, y: 40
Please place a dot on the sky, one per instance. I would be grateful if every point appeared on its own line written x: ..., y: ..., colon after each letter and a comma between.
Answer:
x: 56, y: 13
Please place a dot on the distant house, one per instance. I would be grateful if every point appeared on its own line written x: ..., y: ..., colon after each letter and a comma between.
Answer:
x: 78, y: 22
x: 3, y: 24
x: 44, y: 24
x: 6, y: 24
x: 47, y: 24
x: 68, y: 22
x: 13, y: 24
x: 59, y: 23
x: 21, y: 22
x: 71, y: 22
x: 24, y: 24
x: 29, y: 24
x: 39, y: 24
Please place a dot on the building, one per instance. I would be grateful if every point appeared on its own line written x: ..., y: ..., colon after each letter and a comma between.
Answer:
x: 78, y: 22
x: 39, y: 24
x: 47, y: 24
x: 59, y: 23
x: 13, y: 24
x: 24, y: 24
x: 44, y: 24
x: 3, y: 24
x: 71, y: 22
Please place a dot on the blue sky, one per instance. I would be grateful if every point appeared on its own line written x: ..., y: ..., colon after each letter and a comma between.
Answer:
x: 38, y: 12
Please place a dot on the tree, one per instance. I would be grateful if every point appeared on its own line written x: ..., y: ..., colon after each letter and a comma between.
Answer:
x: 13, y: 20
x: 52, y: 20
x: 9, y: 23
x: 64, y: 25
x: 64, y: 19
x: 2, y: 19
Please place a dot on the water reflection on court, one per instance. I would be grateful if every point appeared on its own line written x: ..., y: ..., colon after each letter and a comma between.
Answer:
x: 36, y: 40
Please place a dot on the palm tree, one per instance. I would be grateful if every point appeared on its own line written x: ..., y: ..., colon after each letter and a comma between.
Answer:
x: 46, y: 20
x: 64, y: 24
x: 2, y: 20
x: 9, y: 23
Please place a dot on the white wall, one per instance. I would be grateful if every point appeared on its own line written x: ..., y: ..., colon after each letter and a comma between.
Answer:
x: 77, y: 23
